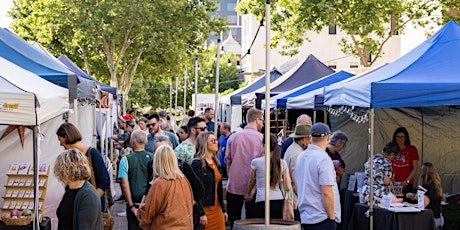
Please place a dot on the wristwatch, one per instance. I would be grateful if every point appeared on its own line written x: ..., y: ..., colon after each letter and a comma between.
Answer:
x: 407, y: 181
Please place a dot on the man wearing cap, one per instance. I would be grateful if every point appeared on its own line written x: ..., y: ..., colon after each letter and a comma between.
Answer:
x: 301, y: 138
x: 302, y: 119
x: 319, y: 200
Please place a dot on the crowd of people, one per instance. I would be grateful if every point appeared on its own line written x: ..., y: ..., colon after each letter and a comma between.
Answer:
x: 172, y: 176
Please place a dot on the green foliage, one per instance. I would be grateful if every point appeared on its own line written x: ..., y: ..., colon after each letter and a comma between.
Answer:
x: 367, y: 23
x: 124, y: 42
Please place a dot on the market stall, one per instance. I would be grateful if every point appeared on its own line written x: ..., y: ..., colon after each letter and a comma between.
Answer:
x: 31, y: 111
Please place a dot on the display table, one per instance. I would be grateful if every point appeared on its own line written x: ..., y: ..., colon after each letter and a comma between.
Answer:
x: 348, y: 201
x: 388, y: 220
x: 44, y: 225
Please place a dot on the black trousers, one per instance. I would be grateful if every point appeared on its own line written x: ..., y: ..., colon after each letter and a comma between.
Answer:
x: 133, y: 223
x: 235, y: 205
x: 276, y: 209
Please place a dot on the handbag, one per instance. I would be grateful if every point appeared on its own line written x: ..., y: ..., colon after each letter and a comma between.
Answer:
x: 288, y: 208
x: 107, y: 219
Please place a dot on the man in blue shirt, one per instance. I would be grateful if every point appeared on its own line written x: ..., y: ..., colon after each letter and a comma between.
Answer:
x: 225, y: 131
x: 153, y: 124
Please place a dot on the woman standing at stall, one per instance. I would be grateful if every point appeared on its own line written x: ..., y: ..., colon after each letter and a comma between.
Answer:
x: 70, y: 137
x: 405, y: 164
x: 207, y: 168
x: 80, y: 206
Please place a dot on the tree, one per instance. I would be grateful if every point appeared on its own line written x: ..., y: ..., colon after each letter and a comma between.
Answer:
x: 155, y: 91
x: 124, y: 40
x: 368, y: 24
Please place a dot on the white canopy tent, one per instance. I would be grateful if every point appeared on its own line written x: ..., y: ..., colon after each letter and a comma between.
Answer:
x: 29, y: 100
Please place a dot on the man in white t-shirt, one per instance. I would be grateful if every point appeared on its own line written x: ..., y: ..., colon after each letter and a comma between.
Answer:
x: 319, y: 200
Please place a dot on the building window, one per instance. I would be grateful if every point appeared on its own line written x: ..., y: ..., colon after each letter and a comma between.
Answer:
x: 231, y: 6
x: 354, y: 65
x: 332, y: 66
x: 232, y: 19
x: 333, y: 29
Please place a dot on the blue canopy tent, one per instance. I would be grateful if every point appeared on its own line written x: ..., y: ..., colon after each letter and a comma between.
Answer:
x: 305, y: 72
x: 74, y: 68
x: 280, y: 101
x: 23, y: 54
x: 230, y: 105
x: 420, y: 91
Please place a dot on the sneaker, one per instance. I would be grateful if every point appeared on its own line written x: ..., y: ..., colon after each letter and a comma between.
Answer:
x: 121, y: 214
x: 122, y: 198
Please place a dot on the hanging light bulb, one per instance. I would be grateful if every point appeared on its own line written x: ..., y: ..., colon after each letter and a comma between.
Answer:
x: 210, y: 74
x: 229, y: 62
x: 238, y: 64
x: 261, y: 25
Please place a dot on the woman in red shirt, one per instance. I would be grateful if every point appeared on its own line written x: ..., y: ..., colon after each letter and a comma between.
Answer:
x: 406, y: 163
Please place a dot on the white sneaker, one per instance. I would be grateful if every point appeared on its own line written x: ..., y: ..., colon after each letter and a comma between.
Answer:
x: 121, y: 214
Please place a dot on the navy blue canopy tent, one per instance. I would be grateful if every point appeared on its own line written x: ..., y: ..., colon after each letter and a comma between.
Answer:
x: 67, y: 62
x: 235, y: 97
x: 23, y: 54
x: 309, y: 70
x: 303, y: 101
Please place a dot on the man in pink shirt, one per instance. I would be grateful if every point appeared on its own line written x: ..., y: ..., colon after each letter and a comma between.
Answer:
x: 242, y: 148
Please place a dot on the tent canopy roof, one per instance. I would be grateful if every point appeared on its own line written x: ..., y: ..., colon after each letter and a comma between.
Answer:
x: 74, y: 68
x: 426, y: 76
x: 33, y: 100
x: 281, y: 100
x: 18, y: 51
x: 235, y: 97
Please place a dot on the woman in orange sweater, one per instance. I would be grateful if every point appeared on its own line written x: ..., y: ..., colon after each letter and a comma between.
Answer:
x: 169, y: 202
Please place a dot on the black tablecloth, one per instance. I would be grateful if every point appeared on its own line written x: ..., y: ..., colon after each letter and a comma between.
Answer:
x: 44, y: 225
x: 388, y: 220
x: 348, y: 201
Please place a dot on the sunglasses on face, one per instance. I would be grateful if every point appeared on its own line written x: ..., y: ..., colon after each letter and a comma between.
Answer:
x: 202, y: 128
x: 213, y: 140
x: 148, y: 125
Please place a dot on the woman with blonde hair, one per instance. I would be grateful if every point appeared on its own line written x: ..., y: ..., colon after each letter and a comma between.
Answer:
x: 80, y: 206
x: 430, y: 180
x: 169, y: 201
x: 207, y: 168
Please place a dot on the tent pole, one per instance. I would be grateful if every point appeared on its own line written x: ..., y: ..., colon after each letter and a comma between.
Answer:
x: 267, y: 112
x: 371, y: 171
x: 285, y: 124
x: 325, y: 115
x: 314, y: 116
x: 35, y: 156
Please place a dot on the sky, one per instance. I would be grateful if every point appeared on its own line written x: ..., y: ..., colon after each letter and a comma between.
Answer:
x: 409, y: 40
x: 5, y: 5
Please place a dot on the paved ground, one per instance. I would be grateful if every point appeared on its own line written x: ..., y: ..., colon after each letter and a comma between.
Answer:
x: 120, y: 221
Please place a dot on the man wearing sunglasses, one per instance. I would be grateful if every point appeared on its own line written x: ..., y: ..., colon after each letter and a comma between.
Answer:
x: 186, y: 150
x: 153, y: 125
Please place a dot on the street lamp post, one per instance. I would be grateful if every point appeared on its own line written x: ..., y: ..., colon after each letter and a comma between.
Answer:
x: 185, y: 92
x: 197, y: 66
x: 216, y: 103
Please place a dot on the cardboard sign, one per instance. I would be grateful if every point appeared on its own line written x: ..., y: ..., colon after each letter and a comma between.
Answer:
x: 352, y: 183
x: 421, y: 199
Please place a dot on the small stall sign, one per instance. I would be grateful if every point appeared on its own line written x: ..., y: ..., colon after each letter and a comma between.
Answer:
x: 4, y: 106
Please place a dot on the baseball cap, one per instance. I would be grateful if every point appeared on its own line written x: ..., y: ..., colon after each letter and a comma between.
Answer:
x: 126, y: 117
x: 319, y: 130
